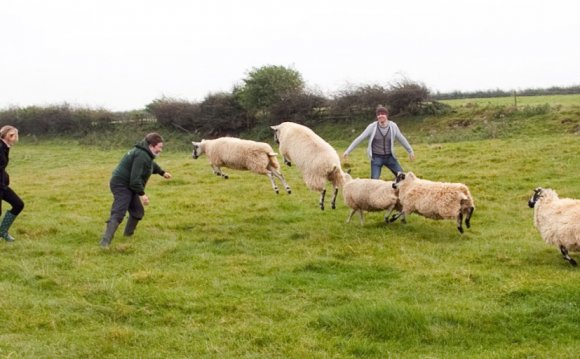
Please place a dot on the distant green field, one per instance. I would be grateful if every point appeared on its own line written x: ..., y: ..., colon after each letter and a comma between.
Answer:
x: 553, y: 100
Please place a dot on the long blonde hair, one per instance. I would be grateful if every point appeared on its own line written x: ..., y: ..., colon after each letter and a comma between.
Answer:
x: 5, y: 129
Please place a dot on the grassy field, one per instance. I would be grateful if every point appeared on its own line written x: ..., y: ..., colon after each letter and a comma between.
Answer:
x: 227, y: 269
x: 552, y: 100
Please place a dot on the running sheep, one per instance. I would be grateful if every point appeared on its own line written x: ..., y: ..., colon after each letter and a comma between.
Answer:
x: 238, y: 154
x: 363, y: 194
x: 435, y: 200
x: 313, y: 156
x: 557, y: 220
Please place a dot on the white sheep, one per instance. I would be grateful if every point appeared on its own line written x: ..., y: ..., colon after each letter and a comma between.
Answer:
x: 235, y: 153
x: 313, y: 156
x: 557, y: 220
x: 364, y: 194
x: 435, y: 200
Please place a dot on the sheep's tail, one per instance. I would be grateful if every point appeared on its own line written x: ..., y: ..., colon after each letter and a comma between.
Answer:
x: 273, y: 158
x: 336, y: 176
x: 467, y: 207
x: 466, y: 200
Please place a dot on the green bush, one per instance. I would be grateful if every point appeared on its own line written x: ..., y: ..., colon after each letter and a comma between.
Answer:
x: 57, y: 119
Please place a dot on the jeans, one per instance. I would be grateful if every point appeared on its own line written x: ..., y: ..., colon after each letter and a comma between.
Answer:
x: 378, y: 161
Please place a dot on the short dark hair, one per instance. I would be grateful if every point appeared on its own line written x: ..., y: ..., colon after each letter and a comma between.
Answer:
x: 153, y: 138
x: 382, y: 109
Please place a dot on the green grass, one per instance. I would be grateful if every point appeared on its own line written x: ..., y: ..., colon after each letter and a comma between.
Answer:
x: 226, y: 268
x: 554, y: 100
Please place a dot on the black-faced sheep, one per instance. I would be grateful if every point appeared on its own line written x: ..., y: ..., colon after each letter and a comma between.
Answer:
x: 313, y: 156
x: 363, y: 194
x: 435, y: 200
x: 238, y: 154
x: 557, y: 220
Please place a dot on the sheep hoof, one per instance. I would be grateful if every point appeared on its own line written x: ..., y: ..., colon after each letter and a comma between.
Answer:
x: 467, y: 224
x: 289, y: 191
x: 226, y: 177
x: 277, y: 192
x: 572, y: 262
x: 460, y: 229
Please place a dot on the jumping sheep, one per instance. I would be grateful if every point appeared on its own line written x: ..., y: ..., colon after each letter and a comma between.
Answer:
x: 435, y: 200
x: 313, y: 156
x: 557, y: 220
x: 363, y: 194
x: 238, y: 154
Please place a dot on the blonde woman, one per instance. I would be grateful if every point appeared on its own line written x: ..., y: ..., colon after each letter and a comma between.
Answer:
x: 8, y: 138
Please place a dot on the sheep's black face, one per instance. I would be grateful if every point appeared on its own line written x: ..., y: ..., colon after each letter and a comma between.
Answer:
x: 535, y: 197
x: 195, y: 154
x: 400, y: 177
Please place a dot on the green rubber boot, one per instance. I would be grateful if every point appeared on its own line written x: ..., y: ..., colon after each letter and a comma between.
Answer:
x: 5, y: 226
x: 109, y: 233
x: 130, y: 226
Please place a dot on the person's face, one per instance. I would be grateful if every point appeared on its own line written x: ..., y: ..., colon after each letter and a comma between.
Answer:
x: 11, y: 137
x: 156, y: 150
x: 382, y: 118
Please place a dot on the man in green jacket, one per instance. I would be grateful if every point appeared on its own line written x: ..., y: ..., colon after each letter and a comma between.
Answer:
x: 128, y: 185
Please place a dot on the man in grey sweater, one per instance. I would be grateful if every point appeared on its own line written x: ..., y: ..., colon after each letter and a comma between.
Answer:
x: 381, y: 135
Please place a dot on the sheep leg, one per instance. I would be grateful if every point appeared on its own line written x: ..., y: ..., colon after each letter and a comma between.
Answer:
x: 333, y: 201
x: 387, y: 214
x: 567, y: 256
x: 460, y: 222
x: 396, y: 216
x: 352, y: 212
x: 468, y: 217
x: 321, y: 203
x: 362, y: 217
x: 269, y: 174
x: 282, y: 179
x: 217, y: 171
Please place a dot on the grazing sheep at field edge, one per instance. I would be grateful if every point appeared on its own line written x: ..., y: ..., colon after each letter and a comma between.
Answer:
x: 435, y: 200
x: 231, y: 152
x: 363, y: 194
x: 557, y: 220
x: 313, y: 156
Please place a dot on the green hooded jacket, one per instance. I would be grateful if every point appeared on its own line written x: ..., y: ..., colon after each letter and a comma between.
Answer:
x: 136, y: 167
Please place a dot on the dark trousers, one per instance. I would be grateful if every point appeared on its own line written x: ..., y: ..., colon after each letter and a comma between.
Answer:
x: 8, y: 195
x: 125, y: 200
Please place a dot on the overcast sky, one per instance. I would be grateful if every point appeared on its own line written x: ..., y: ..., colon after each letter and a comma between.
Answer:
x: 123, y: 54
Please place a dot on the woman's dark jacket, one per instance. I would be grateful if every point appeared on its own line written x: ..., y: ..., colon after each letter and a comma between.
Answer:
x: 4, y: 159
